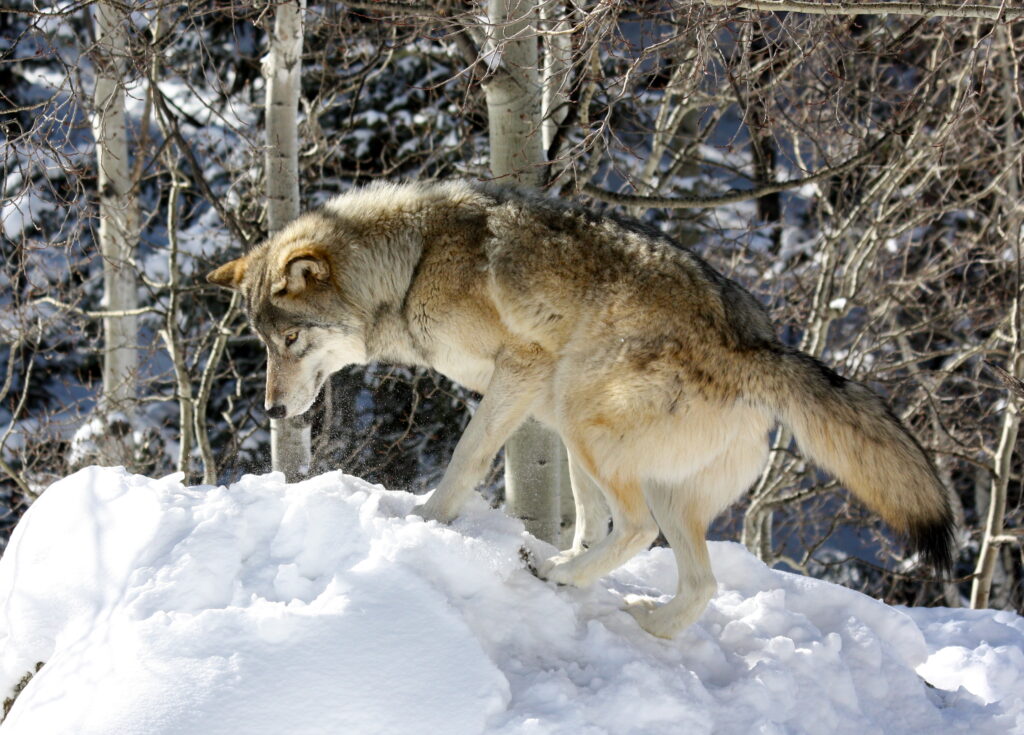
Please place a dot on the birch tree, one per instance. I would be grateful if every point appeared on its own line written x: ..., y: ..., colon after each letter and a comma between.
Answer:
x: 290, y: 446
x: 994, y: 536
x: 534, y: 455
x: 118, y: 228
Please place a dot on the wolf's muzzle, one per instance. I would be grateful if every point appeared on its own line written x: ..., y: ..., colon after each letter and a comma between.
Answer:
x: 277, y: 412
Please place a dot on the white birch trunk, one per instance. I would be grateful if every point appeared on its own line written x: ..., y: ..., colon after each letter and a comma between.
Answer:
x: 118, y: 234
x: 290, y: 447
x: 557, y: 61
x: 557, y: 64
x: 514, y: 94
x: 514, y: 104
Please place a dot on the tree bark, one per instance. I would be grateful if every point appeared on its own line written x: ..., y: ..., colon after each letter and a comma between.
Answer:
x: 514, y: 104
x: 514, y: 92
x: 118, y: 234
x: 119, y: 215
x: 557, y: 63
x: 1002, y: 464
x: 290, y: 446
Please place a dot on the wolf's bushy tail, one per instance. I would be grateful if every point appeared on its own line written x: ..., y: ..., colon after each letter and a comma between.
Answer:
x: 849, y: 431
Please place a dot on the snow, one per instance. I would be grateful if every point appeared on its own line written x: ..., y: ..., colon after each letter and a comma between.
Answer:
x: 326, y: 607
x: 22, y: 211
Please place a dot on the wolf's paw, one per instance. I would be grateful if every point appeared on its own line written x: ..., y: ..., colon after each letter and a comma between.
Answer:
x: 653, y: 618
x: 559, y: 569
x: 431, y: 512
x: 563, y: 557
x: 666, y: 620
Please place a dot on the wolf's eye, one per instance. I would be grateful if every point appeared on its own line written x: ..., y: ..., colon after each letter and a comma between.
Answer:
x: 289, y: 339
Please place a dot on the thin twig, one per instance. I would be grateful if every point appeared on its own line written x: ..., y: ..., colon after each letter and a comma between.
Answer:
x: 94, y: 314
x: 846, y: 7
x: 733, y: 195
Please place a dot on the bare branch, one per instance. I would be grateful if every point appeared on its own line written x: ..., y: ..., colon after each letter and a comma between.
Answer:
x: 394, y: 7
x: 1013, y: 384
x: 1009, y: 536
x: 226, y: 216
x: 845, y: 7
x: 732, y: 196
x: 98, y: 314
x: 206, y: 386
x: 16, y: 478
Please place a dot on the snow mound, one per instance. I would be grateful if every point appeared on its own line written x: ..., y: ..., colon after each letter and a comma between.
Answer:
x: 325, y: 607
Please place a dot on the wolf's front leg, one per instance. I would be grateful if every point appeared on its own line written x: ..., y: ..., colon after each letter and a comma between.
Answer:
x: 517, y: 383
x: 592, y: 515
x: 633, y: 529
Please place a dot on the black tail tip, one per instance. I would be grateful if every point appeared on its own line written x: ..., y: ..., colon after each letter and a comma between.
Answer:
x: 935, y: 541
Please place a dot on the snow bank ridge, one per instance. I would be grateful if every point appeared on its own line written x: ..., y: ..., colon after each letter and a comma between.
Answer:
x: 324, y: 607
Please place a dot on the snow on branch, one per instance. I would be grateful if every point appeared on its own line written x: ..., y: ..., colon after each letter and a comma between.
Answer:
x: 96, y: 314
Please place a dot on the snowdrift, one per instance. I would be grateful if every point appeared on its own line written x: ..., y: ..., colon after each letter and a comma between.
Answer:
x: 325, y: 607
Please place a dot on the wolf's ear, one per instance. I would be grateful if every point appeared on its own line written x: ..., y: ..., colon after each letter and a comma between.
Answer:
x: 229, y: 275
x: 302, y: 269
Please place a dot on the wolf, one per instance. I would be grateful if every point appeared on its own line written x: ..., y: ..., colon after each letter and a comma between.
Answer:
x: 662, y: 377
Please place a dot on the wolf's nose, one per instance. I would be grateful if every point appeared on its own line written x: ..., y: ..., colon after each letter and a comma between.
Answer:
x: 277, y: 412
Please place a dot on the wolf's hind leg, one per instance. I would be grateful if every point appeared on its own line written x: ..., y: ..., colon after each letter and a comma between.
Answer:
x: 684, y: 523
x: 683, y: 510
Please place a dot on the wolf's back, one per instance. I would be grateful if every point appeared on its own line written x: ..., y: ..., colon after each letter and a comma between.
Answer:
x: 849, y: 431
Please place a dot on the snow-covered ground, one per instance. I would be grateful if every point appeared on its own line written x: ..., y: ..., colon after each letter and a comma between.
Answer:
x: 325, y: 607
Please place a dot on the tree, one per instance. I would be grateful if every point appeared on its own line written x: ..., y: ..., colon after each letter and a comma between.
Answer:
x: 118, y: 234
x: 994, y: 538
x: 535, y: 466
x: 290, y: 441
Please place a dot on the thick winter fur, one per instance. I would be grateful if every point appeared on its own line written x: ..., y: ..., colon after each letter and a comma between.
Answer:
x: 662, y: 377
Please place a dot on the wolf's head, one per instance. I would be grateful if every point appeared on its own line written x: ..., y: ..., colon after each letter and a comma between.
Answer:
x: 291, y: 286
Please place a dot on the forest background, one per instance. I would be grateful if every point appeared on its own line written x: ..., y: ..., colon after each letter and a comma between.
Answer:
x: 861, y: 173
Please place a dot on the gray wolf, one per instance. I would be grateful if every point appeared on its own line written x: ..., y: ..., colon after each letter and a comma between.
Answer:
x: 662, y: 376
